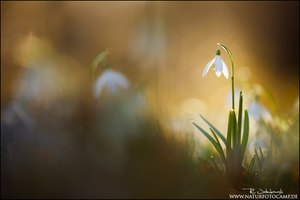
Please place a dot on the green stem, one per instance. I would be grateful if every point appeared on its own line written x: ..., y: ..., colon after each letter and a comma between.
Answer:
x: 232, y: 71
x: 100, y: 58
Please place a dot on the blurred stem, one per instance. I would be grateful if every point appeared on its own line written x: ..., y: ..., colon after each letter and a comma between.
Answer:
x: 232, y: 70
x: 100, y: 58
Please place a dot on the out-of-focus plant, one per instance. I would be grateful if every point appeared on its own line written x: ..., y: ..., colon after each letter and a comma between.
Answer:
x: 236, y: 141
x: 276, y: 163
x: 110, y: 79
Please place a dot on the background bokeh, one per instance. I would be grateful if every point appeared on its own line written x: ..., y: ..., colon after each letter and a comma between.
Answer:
x: 262, y: 35
x: 47, y: 106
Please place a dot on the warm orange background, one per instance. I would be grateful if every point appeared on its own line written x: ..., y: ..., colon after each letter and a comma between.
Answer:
x: 264, y: 36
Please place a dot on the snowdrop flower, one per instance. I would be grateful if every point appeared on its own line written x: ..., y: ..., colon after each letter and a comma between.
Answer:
x: 111, y: 80
x: 219, y: 66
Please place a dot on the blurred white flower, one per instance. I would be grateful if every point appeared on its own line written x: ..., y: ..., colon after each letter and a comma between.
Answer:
x: 111, y: 80
x: 50, y: 81
x: 258, y: 111
x: 219, y: 66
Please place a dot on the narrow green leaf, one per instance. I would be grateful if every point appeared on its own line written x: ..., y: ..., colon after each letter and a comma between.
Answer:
x: 229, y: 132
x: 205, y: 133
x: 220, y: 150
x: 215, y: 130
x: 240, y: 115
x: 214, y: 143
x: 245, y: 134
x: 234, y: 132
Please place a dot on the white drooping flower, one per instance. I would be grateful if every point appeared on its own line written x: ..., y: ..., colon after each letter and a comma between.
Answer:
x: 112, y: 81
x: 219, y: 66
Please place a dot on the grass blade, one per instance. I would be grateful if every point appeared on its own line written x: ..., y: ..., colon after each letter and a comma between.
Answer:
x: 214, y: 143
x: 261, y: 154
x: 215, y: 130
x: 219, y: 147
x: 245, y: 134
x: 240, y: 115
x: 251, y: 166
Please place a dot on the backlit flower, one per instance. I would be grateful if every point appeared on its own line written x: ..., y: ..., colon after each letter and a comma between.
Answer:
x: 112, y: 81
x: 219, y: 66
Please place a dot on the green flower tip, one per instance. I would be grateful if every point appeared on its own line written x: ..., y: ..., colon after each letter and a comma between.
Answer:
x: 218, y: 52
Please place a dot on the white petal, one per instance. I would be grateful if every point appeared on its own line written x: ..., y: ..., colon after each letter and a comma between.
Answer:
x: 99, y: 85
x: 218, y: 73
x: 120, y: 80
x: 225, y: 70
x: 111, y: 80
x: 207, y: 67
x: 112, y: 87
x: 218, y: 66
